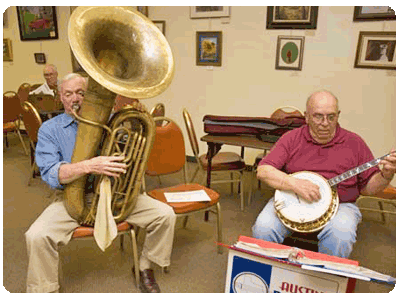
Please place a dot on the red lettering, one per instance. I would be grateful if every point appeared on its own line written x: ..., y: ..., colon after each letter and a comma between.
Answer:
x: 285, y: 286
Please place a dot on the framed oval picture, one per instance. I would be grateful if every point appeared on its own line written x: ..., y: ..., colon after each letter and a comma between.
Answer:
x: 289, y: 53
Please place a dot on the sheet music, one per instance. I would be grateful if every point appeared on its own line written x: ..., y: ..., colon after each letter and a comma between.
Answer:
x: 190, y: 196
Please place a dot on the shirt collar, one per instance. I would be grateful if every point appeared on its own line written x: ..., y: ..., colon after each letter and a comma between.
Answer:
x: 66, y: 120
x: 337, y: 139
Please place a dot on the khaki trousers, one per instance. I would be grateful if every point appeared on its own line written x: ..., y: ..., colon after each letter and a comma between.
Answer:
x: 54, y: 228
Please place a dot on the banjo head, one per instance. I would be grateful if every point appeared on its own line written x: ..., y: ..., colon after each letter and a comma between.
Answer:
x: 304, y: 216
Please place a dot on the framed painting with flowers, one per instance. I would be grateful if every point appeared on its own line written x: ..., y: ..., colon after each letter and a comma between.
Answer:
x: 209, y: 48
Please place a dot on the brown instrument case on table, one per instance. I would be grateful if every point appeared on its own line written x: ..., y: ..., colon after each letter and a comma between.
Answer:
x: 265, y: 129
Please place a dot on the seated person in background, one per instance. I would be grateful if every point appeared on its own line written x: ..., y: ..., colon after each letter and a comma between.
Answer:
x: 50, y: 86
x: 323, y: 147
x: 54, y: 227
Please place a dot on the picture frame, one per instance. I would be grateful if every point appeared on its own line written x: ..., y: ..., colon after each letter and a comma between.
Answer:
x: 289, y: 53
x: 292, y: 17
x: 199, y: 12
x: 40, y: 58
x: 209, y: 48
x: 376, y: 50
x: 144, y: 10
x: 160, y: 25
x: 373, y: 13
x: 37, y: 23
x: 7, y: 50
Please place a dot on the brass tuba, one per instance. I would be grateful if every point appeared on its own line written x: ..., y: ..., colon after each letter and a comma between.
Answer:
x: 124, y: 53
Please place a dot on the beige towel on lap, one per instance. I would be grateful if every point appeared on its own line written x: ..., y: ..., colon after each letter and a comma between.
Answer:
x: 105, y: 229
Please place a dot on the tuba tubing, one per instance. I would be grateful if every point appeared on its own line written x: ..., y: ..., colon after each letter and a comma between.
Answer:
x: 123, y: 53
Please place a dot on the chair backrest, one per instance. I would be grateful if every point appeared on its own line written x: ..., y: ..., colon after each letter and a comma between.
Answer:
x: 23, y: 92
x: 285, y: 111
x: 168, y: 154
x: 11, y: 107
x: 32, y: 120
x: 158, y: 110
x: 191, y: 133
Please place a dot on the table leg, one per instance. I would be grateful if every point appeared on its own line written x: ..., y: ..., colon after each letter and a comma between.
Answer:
x: 213, y: 149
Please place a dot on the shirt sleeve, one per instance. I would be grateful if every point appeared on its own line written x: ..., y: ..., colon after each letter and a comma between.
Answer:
x: 279, y: 153
x: 48, y: 157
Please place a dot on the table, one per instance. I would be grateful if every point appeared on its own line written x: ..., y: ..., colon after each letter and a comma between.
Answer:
x: 215, y: 142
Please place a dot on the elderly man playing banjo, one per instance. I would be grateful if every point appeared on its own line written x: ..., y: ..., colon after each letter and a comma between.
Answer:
x: 327, y: 152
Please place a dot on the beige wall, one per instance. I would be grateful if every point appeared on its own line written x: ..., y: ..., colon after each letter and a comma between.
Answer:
x: 247, y: 83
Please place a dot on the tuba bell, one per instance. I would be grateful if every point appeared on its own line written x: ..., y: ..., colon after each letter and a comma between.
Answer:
x: 123, y: 53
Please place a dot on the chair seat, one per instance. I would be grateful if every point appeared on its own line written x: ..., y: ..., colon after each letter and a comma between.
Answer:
x: 10, y: 126
x: 223, y: 161
x: 85, y: 231
x: 387, y: 193
x: 185, y: 207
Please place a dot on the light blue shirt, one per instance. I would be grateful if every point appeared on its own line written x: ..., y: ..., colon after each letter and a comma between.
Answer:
x: 56, y: 141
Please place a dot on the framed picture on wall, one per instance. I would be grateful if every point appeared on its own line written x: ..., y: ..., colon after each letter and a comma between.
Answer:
x: 198, y: 12
x: 37, y: 23
x: 292, y: 17
x: 40, y: 58
x: 208, y: 48
x: 7, y: 50
x: 376, y: 50
x: 144, y: 10
x: 289, y: 53
x: 373, y: 13
x: 160, y: 25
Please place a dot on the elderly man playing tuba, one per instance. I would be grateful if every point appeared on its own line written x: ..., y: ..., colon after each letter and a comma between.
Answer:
x: 54, y: 227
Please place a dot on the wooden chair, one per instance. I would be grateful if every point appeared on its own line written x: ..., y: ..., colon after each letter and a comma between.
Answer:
x: 168, y: 156
x: 222, y: 162
x: 12, y: 117
x: 123, y: 228
x: 32, y: 124
x: 279, y: 113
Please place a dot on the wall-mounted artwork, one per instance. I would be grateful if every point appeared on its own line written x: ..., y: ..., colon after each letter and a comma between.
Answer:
x: 7, y: 50
x: 208, y: 48
x: 40, y: 58
x: 37, y: 23
x: 197, y: 12
x: 376, y: 50
x: 160, y: 25
x: 292, y: 17
x: 144, y: 10
x: 289, y: 53
x: 373, y: 13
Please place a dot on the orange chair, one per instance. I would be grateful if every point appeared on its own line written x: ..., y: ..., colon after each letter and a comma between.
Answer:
x: 11, y: 117
x: 388, y: 196
x: 84, y: 232
x: 168, y: 156
x: 279, y: 113
x: 222, y: 162
x: 23, y: 92
x: 32, y: 124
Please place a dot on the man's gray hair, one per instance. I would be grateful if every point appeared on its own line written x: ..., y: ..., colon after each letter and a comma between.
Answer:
x: 69, y: 77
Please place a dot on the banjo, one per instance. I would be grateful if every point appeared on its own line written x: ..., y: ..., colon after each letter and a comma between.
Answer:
x: 303, y: 216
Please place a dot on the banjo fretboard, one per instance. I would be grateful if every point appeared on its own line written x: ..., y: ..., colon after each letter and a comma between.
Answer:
x: 357, y: 170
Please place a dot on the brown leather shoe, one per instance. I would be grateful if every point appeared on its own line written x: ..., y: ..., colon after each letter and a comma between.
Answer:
x: 148, y: 283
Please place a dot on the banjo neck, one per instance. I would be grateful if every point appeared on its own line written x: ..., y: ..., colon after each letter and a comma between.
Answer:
x: 357, y: 170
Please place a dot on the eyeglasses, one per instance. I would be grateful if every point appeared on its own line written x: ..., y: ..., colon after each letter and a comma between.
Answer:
x: 319, y: 118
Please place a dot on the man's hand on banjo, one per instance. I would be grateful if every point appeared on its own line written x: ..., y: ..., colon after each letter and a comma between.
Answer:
x: 306, y: 190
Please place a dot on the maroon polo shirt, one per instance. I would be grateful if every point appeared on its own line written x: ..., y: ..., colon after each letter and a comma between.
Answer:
x: 297, y: 151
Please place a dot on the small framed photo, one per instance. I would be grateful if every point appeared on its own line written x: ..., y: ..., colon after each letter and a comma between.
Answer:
x: 376, y: 50
x: 160, y: 25
x: 373, y: 13
x: 198, y: 12
x: 292, y: 17
x: 7, y: 50
x: 40, y: 58
x: 37, y: 23
x: 209, y: 48
x: 289, y: 53
x: 144, y: 10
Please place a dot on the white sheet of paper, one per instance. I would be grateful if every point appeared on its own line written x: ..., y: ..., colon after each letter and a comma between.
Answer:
x: 190, y: 196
